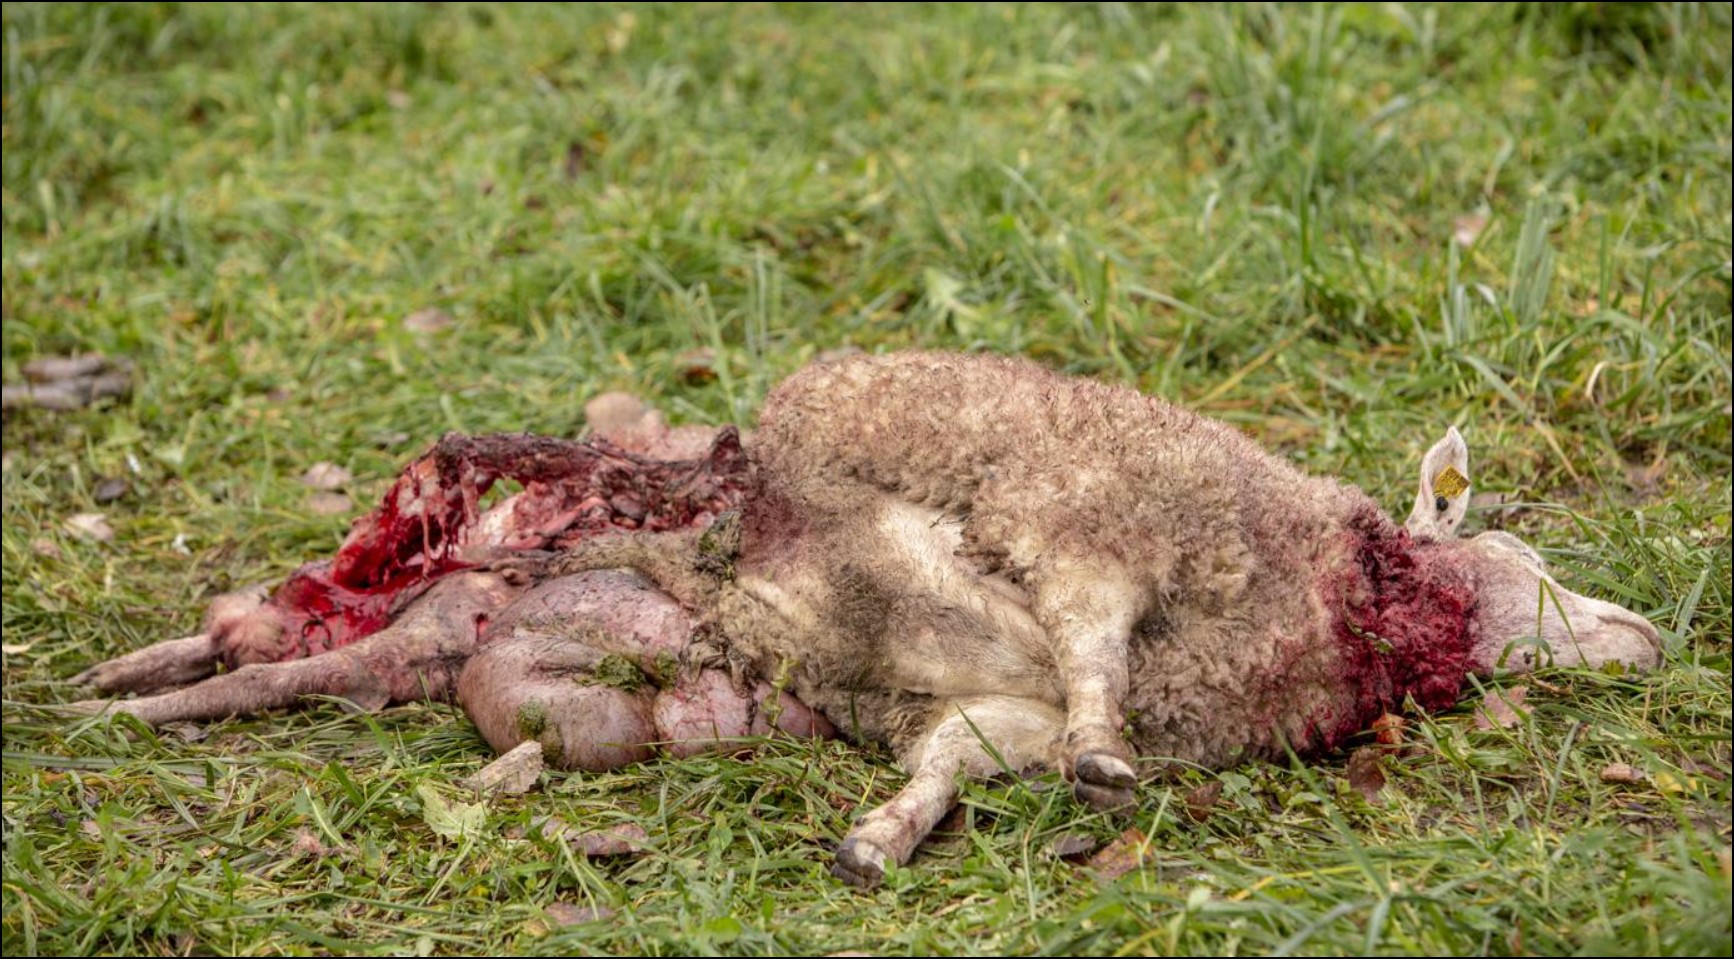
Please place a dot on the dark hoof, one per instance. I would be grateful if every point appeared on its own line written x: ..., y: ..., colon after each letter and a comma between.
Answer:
x: 1104, y: 798
x: 860, y: 863
x: 1104, y: 782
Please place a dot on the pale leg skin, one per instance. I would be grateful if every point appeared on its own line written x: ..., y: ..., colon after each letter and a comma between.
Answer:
x: 1023, y: 732
x: 417, y: 657
x: 1089, y: 615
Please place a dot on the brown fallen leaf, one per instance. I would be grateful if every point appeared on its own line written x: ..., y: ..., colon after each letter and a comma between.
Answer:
x: 185, y: 732
x: 329, y: 504
x: 1501, y: 708
x: 1073, y: 846
x: 1698, y: 768
x: 68, y: 382
x: 326, y: 476
x: 91, y: 526
x: 430, y: 320
x: 1366, y: 773
x: 1388, y: 730
x: 620, y: 840
x: 697, y: 366
x: 575, y: 158
x: 110, y: 489
x: 1201, y: 802
x: 1622, y: 773
x: 43, y: 546
x: 47, y: 369
x: 1121, y: 856
x: 623, y: 840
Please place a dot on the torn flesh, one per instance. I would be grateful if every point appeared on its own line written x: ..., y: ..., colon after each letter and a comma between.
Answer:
x: 600, y: 667
x: 429, y: 525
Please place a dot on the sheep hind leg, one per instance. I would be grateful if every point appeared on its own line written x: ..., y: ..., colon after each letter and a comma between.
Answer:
x: 602, y: 684
x: 545, y: 688
x: 590, y: 714
x: 980, y: 736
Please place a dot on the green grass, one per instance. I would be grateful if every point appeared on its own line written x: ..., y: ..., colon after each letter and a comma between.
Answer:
x: 1245, y: 208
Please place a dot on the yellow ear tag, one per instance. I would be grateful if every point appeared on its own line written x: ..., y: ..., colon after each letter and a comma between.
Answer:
x: 1449, y: 483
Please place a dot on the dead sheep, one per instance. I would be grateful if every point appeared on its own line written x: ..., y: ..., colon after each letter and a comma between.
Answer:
x: 970, y: 559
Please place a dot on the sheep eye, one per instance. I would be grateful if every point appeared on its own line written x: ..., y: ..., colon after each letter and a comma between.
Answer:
x: 1440, y: 503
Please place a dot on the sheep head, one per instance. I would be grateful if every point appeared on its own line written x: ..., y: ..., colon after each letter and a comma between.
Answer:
x: 1524, y: 617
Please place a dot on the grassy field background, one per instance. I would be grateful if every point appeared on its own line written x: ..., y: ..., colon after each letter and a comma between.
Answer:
x: 1340, y: 228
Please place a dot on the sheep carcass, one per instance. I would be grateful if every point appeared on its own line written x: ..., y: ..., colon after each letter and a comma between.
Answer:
x: 981, y: 564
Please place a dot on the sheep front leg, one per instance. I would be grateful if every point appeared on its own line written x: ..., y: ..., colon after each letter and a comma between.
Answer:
x: 164, y: 665
x: 416, y: 657
x: 1089, y: 614
x: 966, y: 736
x: 176, y: 662
x: 255, y: 688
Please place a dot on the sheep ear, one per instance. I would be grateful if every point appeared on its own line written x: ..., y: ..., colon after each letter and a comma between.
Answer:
x: 1443, y: 496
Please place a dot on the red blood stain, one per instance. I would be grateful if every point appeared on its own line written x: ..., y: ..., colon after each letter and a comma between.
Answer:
x: 423, y: 526
x: 1405, y: 629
